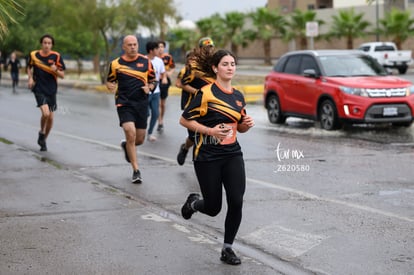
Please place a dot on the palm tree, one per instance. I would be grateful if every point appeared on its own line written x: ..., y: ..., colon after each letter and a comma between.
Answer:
x: 297, y: 26
x: 8, y: 8
x: 268, y: 25
x: 235, y: 34
x: 350, y: 25
x: 214, y: 27
x: 397, y: 24
x: 183, y: 39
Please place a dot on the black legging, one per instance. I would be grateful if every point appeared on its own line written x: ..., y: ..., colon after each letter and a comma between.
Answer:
x: 212, y: 175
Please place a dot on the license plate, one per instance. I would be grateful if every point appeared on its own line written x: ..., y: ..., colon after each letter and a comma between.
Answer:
x: 390, y: 111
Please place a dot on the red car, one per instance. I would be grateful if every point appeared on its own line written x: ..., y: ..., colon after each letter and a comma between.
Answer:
x: 336, y: 87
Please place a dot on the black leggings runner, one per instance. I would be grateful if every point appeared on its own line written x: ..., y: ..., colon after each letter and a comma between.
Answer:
x: 211, y: 175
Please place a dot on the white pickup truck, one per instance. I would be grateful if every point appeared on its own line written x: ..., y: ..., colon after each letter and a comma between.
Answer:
x: 387, y: 54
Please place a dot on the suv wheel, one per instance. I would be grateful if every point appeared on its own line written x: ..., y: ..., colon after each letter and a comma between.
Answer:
x: 328, y: 115
x: 274, y: 113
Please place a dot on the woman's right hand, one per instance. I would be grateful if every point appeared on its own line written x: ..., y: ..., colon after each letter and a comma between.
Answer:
x: 220, y: 131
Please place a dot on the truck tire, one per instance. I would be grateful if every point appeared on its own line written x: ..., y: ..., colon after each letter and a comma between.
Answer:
x: 402, y: 69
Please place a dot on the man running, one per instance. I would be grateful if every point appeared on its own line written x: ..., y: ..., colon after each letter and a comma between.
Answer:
x: 44, y: 67
x: 132, y: 78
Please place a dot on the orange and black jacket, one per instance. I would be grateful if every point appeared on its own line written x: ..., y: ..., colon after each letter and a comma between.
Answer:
x: 45, y: 78
x: 131, y: 76
x: 193, y: 76
x: 213, y: 105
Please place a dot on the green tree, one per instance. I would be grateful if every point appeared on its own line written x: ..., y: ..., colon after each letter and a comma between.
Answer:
x: 297, y: 26
x: 182, y: 39
x: 234, y: 31
x: 70, y: 17
x: 268, y: 25
x: 30, y: 26
x: 397, y: 24
x: 85, y: 27
x: 213, y: 27
x: 157, y: 13
x: 114, y: 19
x: 65, y: 20
x: 8, y: 11
x: 350, y: 25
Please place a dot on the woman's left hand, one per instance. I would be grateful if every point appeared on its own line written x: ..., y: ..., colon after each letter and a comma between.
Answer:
x: 246, y: 124
x: 248, y: 121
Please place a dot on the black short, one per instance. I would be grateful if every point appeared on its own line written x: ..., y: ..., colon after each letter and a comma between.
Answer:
x: 137, y: 114
x: 164, y: 89
x: 191, y: 135
x: 42, y: 99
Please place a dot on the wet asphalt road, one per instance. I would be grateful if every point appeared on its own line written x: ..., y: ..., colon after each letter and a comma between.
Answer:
x: 331, y: 202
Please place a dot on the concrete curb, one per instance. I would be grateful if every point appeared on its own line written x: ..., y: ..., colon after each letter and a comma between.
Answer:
x: 252, y: 93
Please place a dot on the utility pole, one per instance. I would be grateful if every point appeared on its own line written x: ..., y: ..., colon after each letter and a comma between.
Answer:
x: 377, y: 19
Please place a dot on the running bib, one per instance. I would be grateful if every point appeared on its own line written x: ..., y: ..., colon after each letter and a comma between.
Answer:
x: 231, y: 136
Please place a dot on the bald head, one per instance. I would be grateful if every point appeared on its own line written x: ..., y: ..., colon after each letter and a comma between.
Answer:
x: 130, y: 46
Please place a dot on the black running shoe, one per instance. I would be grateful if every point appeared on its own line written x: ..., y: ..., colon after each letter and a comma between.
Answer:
x: 123, y: 146
x: 229, y: 257
x: 160, y: 128
x: 186, y: 210
x: 44, y: 147
x: 182, y: 154
x: 136, y: 177
x: 42, y: 142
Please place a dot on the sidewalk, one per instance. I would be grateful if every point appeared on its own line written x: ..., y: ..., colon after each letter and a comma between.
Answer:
x: 57, y: 221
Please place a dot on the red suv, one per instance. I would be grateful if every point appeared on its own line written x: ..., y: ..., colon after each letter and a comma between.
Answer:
x: 334, y: 87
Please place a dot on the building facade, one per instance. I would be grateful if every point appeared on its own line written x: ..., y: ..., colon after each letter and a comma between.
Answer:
x: 325, y: 9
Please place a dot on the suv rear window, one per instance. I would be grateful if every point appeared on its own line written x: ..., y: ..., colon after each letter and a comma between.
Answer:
x: 384, y: 48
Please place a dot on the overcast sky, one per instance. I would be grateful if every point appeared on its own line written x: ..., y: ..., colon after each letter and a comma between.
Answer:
x: 196, y: 9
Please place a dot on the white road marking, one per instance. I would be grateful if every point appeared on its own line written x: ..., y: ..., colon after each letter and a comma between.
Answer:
x: 154, y: 217
x: 181, y: 228
x: 335, y: 201
x: 201, y: 239
x: 279, y: 239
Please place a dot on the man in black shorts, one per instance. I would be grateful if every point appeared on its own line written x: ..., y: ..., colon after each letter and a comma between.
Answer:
x: 132, y: 78
x: 44, y: 67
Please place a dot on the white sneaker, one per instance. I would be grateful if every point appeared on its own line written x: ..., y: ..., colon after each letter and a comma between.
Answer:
x: 152, y: 138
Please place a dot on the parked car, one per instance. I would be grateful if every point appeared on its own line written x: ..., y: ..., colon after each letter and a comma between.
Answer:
x: 388, y: 55
x: 334, y: 87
